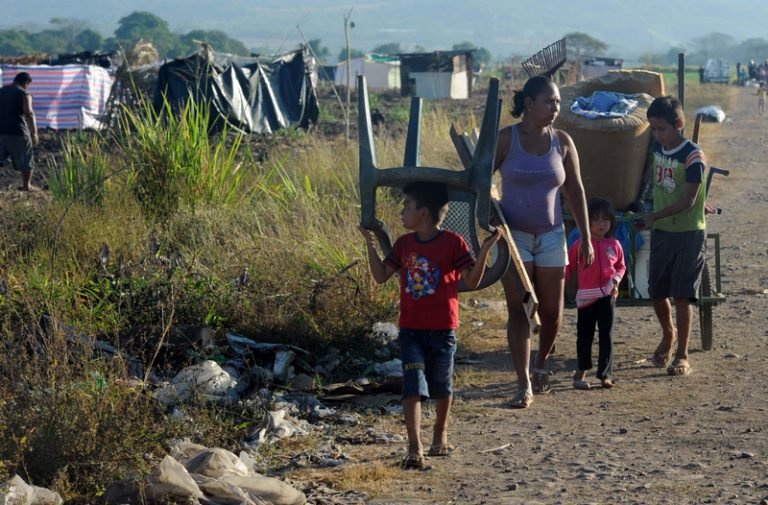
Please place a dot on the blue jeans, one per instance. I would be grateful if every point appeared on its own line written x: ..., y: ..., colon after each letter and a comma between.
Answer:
x: 427, y: 357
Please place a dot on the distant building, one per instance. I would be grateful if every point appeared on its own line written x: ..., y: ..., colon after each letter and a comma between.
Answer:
x: 597, y: 66
x: 381, y: 72
x: 439, y: 74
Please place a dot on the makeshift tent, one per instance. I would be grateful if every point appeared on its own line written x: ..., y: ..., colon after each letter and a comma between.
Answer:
x: 381, y: 72
x: 252, y: 95
x: 65, y: 96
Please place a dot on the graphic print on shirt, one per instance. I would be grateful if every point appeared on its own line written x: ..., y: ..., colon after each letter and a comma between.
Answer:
x: 422, y: 276
x: 665, y: 174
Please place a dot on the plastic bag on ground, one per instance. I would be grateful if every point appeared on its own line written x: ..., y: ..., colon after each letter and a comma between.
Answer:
x: 17, y: 492
x: 171, y: 479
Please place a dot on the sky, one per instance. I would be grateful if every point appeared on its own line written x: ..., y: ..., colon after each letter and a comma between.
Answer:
x: 505, y: 27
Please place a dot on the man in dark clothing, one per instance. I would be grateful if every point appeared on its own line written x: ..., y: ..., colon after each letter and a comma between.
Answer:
x: 18, y: 131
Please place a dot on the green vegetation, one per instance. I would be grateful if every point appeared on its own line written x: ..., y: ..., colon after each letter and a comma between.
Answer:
x: 72, y: 36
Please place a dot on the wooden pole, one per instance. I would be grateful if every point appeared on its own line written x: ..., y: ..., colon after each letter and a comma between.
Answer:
x: 681, y: 82
x: 349, y: 69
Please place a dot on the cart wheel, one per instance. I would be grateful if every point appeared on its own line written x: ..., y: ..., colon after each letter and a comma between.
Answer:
x: 705, y: 310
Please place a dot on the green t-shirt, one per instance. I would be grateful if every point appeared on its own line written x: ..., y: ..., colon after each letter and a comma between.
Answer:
x: 672, y: 169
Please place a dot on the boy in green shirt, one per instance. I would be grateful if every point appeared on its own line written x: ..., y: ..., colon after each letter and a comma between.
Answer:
x: 678, y: 236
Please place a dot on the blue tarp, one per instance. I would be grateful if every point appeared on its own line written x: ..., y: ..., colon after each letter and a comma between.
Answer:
x: 604, y: 104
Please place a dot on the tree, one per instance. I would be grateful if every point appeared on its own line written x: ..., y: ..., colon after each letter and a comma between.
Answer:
x: 751, y: 49
x: 388, y: 48
x: 66, y: 28
x: 220, y: 41
x: 354, y: 53
x: 48, y: 41
x: 86, y: 40
x: 580, y: 45
x: 673, y: 55
x: 653, y: 59
x: 713, y: 45
x: 320, y: 51
x: 14, y: 43
x: 144, y: 25
x: 481, y: 55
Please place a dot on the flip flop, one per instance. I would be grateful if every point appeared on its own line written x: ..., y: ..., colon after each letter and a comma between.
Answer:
x: 540, y: 381
x: 414, y: 462
x: 441, y: 450
x: 523, y: 400
x: 581, y: 384
x: 680, y: 366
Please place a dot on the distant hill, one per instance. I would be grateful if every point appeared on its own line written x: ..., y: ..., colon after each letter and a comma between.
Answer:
x: 505, y: 27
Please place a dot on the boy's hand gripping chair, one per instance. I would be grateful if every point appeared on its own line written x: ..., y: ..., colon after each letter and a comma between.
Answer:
x: 469, y: 189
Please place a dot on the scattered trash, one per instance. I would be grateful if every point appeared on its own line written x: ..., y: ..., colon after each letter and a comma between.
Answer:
x: 17, y: 492
x: 196, y: 473
x: 206, y: 380
x: 391, y: 368
x: 282, y: 369
x: 712, y: 113
x: 275, y: 426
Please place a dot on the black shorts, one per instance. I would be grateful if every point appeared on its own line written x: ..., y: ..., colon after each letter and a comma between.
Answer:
x: 677, y: 259
x: 19, y: 148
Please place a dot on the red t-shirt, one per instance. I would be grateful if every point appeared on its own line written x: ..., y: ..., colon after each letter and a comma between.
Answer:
x: 429, y: 279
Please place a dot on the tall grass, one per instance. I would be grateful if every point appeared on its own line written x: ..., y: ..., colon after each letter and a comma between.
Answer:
x: 83, y: 173
x: 175, y: 158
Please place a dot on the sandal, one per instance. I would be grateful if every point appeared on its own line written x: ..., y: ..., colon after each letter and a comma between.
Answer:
x: 607, y: 383
x: 414, y: 462
x: 441, y: 450
x: 523, y: 399
x: 540, y: 381
x: 680, y: 366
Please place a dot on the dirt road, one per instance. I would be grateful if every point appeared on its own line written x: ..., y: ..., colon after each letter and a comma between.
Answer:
x: 653, y: 439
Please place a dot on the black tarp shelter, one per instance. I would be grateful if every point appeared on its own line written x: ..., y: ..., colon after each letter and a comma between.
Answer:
x: 250, y: 94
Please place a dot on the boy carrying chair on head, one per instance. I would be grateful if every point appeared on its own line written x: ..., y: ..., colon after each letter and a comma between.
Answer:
x: 430, y: 261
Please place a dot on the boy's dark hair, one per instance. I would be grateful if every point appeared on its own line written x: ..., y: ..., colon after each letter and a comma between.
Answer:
x: 432, y: 195
x: 532, y: 88
x: 667, y: 108
x: 22, y: 78
x: 597, y: 207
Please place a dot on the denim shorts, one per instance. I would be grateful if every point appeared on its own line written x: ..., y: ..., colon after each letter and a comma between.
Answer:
x: 427, y: 357
x: 545, y: 250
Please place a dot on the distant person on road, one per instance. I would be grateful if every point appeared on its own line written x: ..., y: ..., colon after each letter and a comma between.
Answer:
x: 761, y: 92
x: 536, y: 162
x: 430, y: 261
x: 678, y: 236
x: 596, y: 296
x: 18, y: 130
